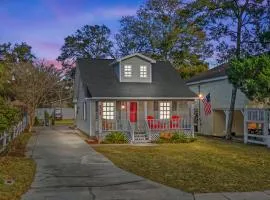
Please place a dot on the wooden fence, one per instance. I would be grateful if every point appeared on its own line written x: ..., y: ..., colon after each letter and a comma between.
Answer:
x: 7, y: 136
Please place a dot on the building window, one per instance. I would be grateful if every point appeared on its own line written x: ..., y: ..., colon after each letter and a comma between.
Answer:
x: 164, y: 110
x: 143, y: 71
x: 84, y: 110
x: 108, y: 110
x: 127, y: 71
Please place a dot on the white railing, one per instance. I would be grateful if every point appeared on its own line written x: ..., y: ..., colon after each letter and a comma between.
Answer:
x: 7, y: 136
x: 168, y: 124
x: 260, y: 132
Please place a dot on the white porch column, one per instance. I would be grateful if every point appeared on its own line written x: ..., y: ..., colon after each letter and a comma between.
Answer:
x: 145, y: 109
x: 226, y: 120
x: 192, y: 119
x: 245, y: 127
x: 99, y: 117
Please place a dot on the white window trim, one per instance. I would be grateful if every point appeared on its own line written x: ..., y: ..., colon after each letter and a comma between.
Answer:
x: 165, y: 109
x: 143, y: 71
x: 108, y: 110
x: 127, y: 71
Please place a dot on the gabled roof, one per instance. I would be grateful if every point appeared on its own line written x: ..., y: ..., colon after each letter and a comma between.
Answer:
x: 216, y: 72
x: 101, y: 81
x: 135, y: 54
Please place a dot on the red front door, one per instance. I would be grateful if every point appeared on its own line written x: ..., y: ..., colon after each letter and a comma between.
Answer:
x: 133, y: 112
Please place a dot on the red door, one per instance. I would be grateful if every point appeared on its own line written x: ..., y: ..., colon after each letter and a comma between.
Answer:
x: 133, y: 112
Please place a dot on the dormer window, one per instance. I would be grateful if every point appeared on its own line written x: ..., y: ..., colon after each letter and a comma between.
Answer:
x: 143, y: 71
x: 127, y: 71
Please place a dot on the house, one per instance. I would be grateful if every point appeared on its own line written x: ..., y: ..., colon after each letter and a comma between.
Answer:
x: 215, y: 82
x: 136, y: 95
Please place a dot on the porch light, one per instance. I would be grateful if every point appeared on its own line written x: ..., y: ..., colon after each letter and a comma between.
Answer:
x: 200, y: 96
x: 123, y: 106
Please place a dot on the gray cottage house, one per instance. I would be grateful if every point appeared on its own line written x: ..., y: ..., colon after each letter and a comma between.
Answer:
x: 134, y: 94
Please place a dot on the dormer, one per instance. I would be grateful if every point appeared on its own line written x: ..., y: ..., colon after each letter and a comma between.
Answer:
x: 134, y: 68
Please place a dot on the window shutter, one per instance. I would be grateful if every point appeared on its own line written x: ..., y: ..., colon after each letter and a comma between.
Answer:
x: 174, y: 106
x: 155, y: 105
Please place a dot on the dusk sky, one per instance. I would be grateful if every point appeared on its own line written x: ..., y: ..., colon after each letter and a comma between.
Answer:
x: 44, y: 24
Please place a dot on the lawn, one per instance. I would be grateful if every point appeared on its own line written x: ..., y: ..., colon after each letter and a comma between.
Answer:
x: 14, y: 166
x: 206, y: 165
x: 64, y: 122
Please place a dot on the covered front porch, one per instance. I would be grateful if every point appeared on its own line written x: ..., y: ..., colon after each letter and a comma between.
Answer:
x: 144, y: 120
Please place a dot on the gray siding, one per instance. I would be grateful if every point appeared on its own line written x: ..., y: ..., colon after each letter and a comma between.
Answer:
x: 82, y: 124
x: 136, y: 62
x: 220, y: 92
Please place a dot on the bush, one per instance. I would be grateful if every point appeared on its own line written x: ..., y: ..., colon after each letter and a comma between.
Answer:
x: 115, y: 138
x: 177, y: 137
x: 9, y: 115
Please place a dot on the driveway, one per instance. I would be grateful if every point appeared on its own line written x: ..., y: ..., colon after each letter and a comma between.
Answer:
x: 69, y: 169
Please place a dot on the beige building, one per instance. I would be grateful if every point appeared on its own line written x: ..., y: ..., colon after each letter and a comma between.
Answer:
x: 215, y: 82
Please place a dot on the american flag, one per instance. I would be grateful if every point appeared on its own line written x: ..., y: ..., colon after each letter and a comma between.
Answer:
x: 207, y: 104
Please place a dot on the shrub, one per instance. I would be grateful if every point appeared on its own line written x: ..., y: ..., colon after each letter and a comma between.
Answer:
x: 115, y: 138
x: 9, y: 115
x: 177, y: 137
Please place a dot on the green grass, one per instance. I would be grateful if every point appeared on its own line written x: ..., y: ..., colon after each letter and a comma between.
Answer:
x: 206, y: 165
x: 64, y: 122
x: 15, y: 166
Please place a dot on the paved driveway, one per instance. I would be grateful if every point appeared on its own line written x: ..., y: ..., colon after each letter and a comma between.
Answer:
x: 69, y: 169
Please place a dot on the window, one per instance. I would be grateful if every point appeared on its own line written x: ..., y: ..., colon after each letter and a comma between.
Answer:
x: 84, y: 110
x: 164, y: 110
x: 127, y: 71
x: 143, y: 71
x: 108, y: 109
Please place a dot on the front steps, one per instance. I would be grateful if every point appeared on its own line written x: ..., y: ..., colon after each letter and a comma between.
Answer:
x: 140, y: 138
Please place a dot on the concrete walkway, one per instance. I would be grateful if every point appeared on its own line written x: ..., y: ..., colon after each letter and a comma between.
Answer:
x: 69, y: 169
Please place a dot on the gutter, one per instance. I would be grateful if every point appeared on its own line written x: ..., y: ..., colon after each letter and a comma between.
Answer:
x: 142, y: 98
x: 207, y: 80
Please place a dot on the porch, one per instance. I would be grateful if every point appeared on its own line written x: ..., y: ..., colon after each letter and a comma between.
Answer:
x: 257, y: 126
x: 143, y: 121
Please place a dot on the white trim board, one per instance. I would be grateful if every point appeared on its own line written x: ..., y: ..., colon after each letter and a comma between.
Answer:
x: 207, y: 80
x: 142, y: 98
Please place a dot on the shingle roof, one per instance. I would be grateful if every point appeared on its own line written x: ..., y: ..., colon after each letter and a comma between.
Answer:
x: 98, y: 76
x: 215, y: 72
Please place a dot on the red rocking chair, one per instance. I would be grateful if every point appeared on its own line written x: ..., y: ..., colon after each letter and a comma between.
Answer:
x: 152, y: 123
x: 175, y: 122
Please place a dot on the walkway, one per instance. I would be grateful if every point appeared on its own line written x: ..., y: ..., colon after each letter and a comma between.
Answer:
x: 68, y: 169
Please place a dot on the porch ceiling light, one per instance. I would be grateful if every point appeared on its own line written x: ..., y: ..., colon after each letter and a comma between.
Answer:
x: 200, y: 96
x: 123, y: 106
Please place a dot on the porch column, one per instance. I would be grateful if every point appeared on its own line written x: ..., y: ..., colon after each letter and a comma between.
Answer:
x: 226, y: 120
x: 245, y: 127
x: 145, y: 109
x: 99, y: 117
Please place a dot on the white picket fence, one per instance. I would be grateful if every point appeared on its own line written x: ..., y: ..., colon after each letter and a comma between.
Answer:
x: 7, y: 136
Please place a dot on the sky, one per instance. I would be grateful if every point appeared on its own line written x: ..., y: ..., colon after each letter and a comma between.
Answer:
x: 43, y: 24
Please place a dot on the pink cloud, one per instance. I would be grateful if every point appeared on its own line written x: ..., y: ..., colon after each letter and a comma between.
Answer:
x: 56, y: 63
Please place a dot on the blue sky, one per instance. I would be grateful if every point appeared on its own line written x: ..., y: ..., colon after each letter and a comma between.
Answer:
x: 44, y: 24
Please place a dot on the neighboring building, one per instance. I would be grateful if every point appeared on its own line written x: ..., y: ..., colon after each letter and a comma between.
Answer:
x: 215, y: 82
x: 135, y: 94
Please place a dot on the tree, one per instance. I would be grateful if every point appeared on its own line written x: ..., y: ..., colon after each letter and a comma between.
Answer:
x: 16, y: 53
x: 252, y: 76
x: 165, y: 30
x: 234, y: 24
x: 33, y: 84
x: 87, y: 42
